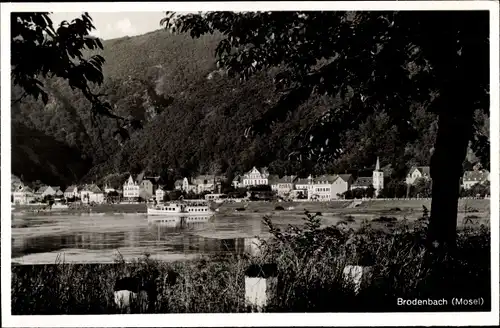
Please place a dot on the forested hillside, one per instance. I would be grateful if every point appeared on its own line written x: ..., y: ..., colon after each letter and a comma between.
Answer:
x: 194, y: 120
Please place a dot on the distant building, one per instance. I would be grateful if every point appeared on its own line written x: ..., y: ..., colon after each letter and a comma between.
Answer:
x: 417, y: 172
x: 92, y: 194
x: 71, y: 191
x: 305, y: 184
x: 254, y: 177
x: 285, y: 185
x: 160, y: 194
x: 362, y: 183
x: 378, y: 178
x: 201, y: 183
x: 342, y: 184
x: 108, y: 189
x: 237, y: 182
x: 147, y: 185
x: 472, y: 178
x: 273, y: 181
x: 327, y: 187
x: 208, y: 183
x: 23, y: 195
x: 131, y: 189
x: 45, y: 191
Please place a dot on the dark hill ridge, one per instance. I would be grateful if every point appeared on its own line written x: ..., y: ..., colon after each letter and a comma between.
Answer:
x: 194, y: 119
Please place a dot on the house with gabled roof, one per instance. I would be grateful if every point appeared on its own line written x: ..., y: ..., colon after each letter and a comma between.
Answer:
x: 362, y: 183
x: 92, y: 194
x: 23, y: 195
x: 417, y: 172
x: 305, y: 184
x: 272, y: 180
x: 208, y: 182
x: 256, y: 177
x: 44, y: 191
x: 284, y: 185
x: 160, y: 194
x: 471, y: 178
x: 71, y: 192
x: 131, y: 189
x: 330, y: 186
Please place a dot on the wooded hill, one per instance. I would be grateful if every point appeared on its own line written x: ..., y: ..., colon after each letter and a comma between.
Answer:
x: 194, y: 120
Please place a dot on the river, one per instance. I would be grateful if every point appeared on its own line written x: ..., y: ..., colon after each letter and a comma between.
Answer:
x: 99, y: 238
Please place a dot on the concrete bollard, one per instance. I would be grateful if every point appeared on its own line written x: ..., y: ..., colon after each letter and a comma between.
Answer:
x: 358, y: 275
x: 260, y: 285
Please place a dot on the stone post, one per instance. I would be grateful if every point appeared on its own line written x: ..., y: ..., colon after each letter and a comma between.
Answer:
x: 358, y: 275
x: 260, y: 285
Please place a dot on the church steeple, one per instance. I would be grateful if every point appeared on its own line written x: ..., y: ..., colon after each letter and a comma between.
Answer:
x: 377, y: 166
x: 378, y: 178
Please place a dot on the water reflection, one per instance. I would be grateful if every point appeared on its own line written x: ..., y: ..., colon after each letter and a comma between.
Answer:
x: 92, y: 239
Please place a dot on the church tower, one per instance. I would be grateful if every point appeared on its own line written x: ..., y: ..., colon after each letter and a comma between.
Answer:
x: 378, y: 178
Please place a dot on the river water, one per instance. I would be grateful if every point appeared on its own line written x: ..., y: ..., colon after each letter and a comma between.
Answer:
x: 100, y: 238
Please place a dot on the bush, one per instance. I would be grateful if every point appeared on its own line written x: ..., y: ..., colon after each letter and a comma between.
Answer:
x: 385, y: 219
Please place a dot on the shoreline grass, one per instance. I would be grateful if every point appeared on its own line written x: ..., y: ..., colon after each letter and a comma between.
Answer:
x: 310, y: 261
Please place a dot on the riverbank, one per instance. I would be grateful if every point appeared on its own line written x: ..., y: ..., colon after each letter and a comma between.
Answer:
x: 337, y: 206
x: 310, y: 263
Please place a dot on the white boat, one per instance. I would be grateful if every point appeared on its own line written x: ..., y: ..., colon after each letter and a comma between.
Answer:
x: 181, y: 208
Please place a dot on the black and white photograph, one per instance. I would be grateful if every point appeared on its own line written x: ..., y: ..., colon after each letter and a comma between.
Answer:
x: 250, y: 158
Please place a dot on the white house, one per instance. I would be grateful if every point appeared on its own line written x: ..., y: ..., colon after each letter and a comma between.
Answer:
x: 131, y: 189
x: 71, y: 191
x: 327, y: 187
x: 47, y: 191
x: 185, y: 185
x: 341, y: 184
x: 472, y: 178
x: 254, y: 177
x: 160, y: 194
x: 418, y: 172
x: 284, y: 186
x: 23, y: 195
x: 208, y: 183
x: 92, y: 194
x: 322, y: 188
x: 305, y: 184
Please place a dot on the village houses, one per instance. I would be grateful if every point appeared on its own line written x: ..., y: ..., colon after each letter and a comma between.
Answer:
x: 417, y: 172
x: 91, y: 194
x: 45, y: 191
x: 283, y: 186
x: 23, y: 195
x: 305, y: 185
x: 160, y: 194
x: 255, y: 177
x: 131, y: 189
x: 200, y: 183
x: 328, y: 187
x: 471, y: 178
x: 71, y: 192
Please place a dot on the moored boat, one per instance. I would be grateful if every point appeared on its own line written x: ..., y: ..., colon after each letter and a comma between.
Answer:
x: 181, y: 208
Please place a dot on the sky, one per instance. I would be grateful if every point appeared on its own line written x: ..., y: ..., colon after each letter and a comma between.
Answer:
x: 111, y: 25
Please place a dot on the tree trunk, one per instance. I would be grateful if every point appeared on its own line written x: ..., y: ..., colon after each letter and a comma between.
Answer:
x: 454, y: 131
